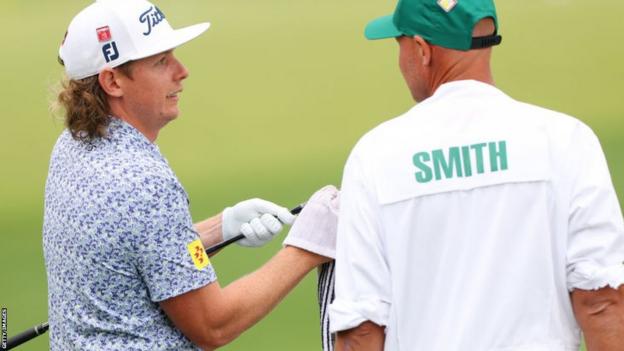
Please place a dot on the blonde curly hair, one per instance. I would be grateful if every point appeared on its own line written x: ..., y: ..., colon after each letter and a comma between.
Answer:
x: 85, y: 105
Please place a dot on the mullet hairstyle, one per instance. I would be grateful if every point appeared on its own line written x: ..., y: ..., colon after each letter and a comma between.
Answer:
x: 87, y: 113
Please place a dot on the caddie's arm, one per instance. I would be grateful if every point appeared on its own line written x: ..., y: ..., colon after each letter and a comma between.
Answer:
x: 259, y: 220
x: 600, y: 313
x: 367, y: 336
x: 212, y: 316
x: 595, y: 245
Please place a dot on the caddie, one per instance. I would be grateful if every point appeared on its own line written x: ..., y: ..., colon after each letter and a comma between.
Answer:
x: 126, y: 265
x: 474, y: 221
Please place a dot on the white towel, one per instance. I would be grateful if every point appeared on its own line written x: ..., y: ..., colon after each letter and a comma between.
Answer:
x: 325, y: 298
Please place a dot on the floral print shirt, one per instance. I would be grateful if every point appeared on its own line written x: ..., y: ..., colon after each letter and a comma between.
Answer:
x: 118, y: 238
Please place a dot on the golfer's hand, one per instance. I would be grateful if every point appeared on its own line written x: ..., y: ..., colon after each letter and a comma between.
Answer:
x: 259, y: 220
x: 316, y: 226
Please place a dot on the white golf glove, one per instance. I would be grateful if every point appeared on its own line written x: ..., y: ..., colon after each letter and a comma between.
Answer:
x: 316, y: 226
x: 256, y: 219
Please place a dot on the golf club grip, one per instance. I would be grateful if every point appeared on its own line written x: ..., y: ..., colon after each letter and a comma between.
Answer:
x: 227, y: 242
x: 27, y: 335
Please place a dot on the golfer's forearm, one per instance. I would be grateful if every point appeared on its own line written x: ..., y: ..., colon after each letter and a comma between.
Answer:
x: 209, y: 230
x: 252, y: 297
x: 212, y: 316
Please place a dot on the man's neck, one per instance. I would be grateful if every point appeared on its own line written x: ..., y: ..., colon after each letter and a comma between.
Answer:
x: 455, y: 66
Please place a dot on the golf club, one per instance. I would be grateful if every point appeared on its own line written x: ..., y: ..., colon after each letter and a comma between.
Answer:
x: 27, y: 335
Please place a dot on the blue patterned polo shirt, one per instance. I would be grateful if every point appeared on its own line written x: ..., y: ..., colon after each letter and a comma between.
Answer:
x: 116, y: 238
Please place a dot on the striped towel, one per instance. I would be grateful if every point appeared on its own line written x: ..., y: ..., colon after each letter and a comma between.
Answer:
x: 325, y: 298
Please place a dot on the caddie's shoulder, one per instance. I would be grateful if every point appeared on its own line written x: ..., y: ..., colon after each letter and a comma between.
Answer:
x: 384, y: 135
x: 558, y: 124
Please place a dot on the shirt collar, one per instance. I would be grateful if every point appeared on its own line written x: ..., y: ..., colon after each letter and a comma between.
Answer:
x: 119, y: 129
x: 464, y: 87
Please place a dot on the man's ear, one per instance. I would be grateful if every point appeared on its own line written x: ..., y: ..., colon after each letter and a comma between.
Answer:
x: 108, y: 79
x: 424, y: 49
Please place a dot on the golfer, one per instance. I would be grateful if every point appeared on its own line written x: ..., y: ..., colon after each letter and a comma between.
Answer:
x: 474, y: 221
x: 126, y: 266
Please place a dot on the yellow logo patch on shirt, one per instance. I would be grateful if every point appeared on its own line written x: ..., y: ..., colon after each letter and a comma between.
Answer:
x: 198, y: 254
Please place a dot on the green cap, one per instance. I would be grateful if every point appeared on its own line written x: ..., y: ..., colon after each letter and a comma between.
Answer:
x: 446, y: 23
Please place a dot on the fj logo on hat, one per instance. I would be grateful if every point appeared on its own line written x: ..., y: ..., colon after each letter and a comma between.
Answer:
x: 110, y: 51
x: 198, y: 254
x: 103, y: 34
x: 447, y: 5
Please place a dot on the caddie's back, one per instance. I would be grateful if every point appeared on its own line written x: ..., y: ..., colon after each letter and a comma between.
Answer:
x: 465, y: 222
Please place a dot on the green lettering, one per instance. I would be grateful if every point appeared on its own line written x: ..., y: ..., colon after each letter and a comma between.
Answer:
x: 458, y: 162
x: 419, y: 159
x: 453, y: 166
x: 497, y: 156
x: 478, y: 148
x: 466, y: 158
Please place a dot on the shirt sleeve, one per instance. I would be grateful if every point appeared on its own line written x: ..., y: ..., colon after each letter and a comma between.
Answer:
x: 363, y: 286
x: 164, y: 233
x: 596, y: 230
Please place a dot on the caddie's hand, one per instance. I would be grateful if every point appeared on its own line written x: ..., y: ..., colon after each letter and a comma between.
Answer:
x: 316, y: 226
x: 259, y: 220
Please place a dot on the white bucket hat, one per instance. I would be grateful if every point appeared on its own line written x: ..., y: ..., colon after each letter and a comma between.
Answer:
x: 109, y: 33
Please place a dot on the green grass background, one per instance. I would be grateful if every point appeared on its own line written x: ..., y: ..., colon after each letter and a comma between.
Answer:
x: 279, y: 92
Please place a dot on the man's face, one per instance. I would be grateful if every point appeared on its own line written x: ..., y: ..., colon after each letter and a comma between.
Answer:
x: 410, y: 62
x: 151, y: 92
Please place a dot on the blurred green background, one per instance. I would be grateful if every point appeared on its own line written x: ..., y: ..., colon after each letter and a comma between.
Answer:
x: 279, y: 92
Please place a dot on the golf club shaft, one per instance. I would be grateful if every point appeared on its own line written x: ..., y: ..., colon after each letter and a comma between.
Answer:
x: 27, y: 335
x: 225, y: 243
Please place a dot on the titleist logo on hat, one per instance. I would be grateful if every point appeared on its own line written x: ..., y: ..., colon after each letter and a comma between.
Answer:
x: 151, y: 18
